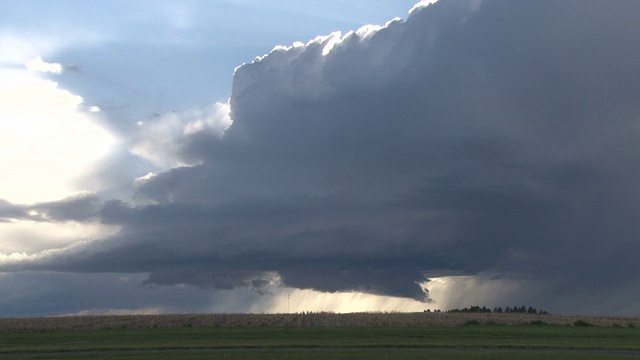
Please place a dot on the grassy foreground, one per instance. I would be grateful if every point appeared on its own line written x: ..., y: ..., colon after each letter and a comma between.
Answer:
x: 475, y: 341
x: 351, y: 354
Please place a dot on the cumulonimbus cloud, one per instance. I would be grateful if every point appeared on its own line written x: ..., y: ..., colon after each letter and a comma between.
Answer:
x: 498, y: 137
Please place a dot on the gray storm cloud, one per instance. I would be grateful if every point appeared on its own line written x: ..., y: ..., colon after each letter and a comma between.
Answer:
x: 501, y: 138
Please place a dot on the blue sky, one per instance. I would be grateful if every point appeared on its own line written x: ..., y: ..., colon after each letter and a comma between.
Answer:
x: 201, y: 156
x: 196, y: 44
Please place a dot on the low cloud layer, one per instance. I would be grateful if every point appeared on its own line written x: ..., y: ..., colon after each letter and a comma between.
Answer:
x: 495, y: 138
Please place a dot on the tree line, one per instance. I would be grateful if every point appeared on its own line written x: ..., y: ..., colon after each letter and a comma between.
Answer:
x: 497, y: 310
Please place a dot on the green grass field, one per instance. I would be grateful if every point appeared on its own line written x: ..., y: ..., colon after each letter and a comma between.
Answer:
x: 463, y: 342
x: 352, y: 354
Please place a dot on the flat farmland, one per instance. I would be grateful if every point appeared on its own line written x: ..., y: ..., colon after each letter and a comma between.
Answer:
x: 321, y: 336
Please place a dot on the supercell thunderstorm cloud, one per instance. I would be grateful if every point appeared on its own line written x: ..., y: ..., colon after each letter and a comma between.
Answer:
x: 484, y: 143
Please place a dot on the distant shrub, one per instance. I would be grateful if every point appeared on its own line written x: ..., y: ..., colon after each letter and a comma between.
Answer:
x: 472, y: 322
x: 582, y: 323
x: 631, y: 326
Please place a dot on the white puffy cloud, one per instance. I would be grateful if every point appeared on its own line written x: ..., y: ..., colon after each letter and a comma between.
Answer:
x: 421, y: 4
x: 46, y: 141
x: 162, y: 139
x: 37, y: 64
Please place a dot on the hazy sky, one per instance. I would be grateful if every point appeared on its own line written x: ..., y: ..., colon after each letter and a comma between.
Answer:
x: 219, y: 156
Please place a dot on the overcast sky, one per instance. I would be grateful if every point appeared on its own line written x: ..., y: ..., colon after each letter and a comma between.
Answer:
x: 220, y: 156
